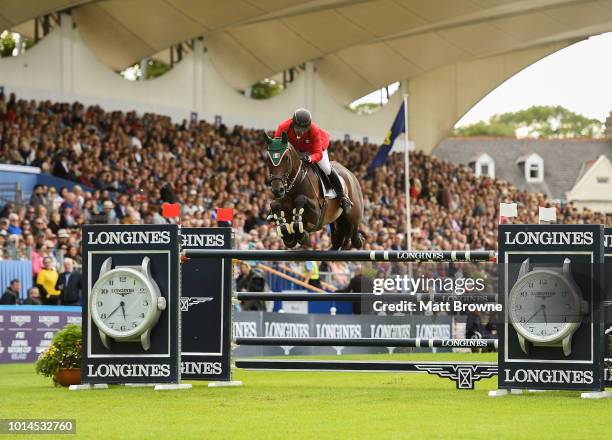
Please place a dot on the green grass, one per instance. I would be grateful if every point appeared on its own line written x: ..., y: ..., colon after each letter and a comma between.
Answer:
x: 292, y: 405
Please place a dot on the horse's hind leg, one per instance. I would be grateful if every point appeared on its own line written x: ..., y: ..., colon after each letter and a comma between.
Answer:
x: 341, y: 234
x: 337, y: 237
x: 357, y: 238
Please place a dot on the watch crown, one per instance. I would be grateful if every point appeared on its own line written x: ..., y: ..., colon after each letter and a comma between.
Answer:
x: 161, y: 303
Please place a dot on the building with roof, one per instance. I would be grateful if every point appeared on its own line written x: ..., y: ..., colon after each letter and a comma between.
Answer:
x: 447, y: 54
x: 569, y: 170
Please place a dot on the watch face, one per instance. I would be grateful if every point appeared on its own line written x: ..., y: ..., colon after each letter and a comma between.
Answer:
x: 122, y: 303
x: 542, y: 306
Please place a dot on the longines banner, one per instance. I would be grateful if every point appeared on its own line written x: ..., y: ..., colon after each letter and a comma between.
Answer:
x: 286, y: 325
x: 551, y: 286
x: 131, y: 316
x: 206, y: 303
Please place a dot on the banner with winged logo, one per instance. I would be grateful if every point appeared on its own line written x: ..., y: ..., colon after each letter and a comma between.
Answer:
x: 205, y: 307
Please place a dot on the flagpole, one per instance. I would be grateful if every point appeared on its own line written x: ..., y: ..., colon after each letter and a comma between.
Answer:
x: 407, y: 176
x: 407, y: 183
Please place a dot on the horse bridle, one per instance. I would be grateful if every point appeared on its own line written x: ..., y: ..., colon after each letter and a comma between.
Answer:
x: 285, y: 177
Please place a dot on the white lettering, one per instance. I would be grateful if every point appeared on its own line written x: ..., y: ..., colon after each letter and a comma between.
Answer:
x: 549, y: 237
x: 128, y: 237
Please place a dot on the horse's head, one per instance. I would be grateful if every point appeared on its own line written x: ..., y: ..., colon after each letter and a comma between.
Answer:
x: 283, y: 164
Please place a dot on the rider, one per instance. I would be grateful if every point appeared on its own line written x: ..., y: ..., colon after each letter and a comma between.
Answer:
x: 307, y: 137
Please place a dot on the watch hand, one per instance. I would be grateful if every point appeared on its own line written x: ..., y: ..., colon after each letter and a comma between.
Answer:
x: 529, y: 319
x: 117, y: 308
x: 537, y: 311
x: 544, y: 313
x: 123, y: 310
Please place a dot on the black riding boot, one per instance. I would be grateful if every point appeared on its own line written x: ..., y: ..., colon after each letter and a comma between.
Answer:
x: 345, y: 202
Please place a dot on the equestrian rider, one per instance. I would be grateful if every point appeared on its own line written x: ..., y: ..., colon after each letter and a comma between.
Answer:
x: 309, y: 138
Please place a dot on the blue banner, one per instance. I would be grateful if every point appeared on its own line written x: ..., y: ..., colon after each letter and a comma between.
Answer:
x: 398, y: 127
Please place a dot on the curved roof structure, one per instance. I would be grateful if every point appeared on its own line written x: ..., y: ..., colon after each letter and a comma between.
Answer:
x: 358, y: 45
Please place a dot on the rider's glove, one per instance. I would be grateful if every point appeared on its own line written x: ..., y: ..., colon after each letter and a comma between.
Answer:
x: 306, y: 159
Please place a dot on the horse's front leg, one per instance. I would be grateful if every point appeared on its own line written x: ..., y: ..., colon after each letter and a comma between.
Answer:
x: 297, y: 222
x: 277, y: 215
x: 306, y: 209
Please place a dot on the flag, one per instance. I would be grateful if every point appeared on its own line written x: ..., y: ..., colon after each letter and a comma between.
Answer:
x: 225, y: 214
x: 547, y: 214
x: 507, y: 211
x: 170, y: 210
x: 398, y: 127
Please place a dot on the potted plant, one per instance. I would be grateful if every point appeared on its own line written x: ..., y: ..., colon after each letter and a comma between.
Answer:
x: 62, y: 360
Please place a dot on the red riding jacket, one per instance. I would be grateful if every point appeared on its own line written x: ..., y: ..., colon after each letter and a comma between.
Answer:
x: 314, y: 141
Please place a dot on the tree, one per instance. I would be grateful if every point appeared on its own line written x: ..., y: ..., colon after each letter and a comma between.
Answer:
x: 483, y: 128
x: 156, y: 68
x: 536, y: 121
x: 366, y: 108
x: 266, y: 89
x: 7, y: 44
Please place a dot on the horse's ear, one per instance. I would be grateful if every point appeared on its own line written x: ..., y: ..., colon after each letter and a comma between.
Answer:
x: 284, y: 138
x: 267, y: 138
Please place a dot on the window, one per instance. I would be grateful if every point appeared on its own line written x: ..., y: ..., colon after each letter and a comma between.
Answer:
x: 483, y: 165
x: 533, y: 167
x: 603, y: 179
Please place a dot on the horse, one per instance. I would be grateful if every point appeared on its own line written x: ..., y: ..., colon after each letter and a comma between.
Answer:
x: 300, y: 207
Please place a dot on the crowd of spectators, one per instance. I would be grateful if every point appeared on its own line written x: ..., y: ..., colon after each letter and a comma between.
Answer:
x: 125, y: 165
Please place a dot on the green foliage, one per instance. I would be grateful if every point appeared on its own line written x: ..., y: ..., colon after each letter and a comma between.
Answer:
x: 65, y: 351
x: 156, y: 68
x: 538, y: 122
x: 7, y: 45
x: 483, y: 128
x: 266, y: 89
x: 366, y: 108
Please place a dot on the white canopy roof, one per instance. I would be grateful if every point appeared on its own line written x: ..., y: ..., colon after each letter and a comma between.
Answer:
x: 358, y: 45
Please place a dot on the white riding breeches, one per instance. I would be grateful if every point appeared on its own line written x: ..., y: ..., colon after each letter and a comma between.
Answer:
x: 324, y: 164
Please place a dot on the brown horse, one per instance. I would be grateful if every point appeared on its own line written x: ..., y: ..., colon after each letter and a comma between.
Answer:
x: 300, y: 207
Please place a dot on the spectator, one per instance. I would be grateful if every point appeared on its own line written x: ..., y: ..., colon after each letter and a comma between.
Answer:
x: 61, y: 168
x: 110, y: 216
x: 242, y: 282
x: 33, y: 298
x: 63, y: 237
x: 360, y: 283
x: 251, y: 281
x: 37, y: 258
x: 311, y: 273
x: 54, y: 222
x: 39, y: 196
x: 14, y: 222
x: 4, y: 225
x: 46, y: 280
x: 70, y: 284
x: 11, y: 294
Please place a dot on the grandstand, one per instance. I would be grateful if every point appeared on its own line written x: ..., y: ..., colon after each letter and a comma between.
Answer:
x: 124, y: 160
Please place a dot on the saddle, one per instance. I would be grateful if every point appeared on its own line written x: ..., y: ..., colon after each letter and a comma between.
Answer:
x: 324, y: 184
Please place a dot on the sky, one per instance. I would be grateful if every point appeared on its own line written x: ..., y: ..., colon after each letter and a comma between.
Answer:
x: 578, y: 77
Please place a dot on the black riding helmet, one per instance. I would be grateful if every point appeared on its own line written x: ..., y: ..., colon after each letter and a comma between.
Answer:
x: 302, y: 118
